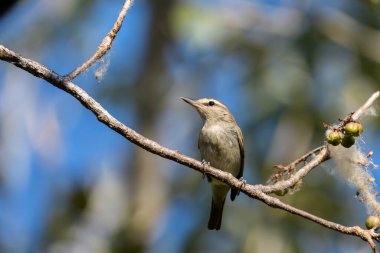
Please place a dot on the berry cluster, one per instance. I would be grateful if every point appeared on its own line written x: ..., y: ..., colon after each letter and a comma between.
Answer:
x: 345, y: 135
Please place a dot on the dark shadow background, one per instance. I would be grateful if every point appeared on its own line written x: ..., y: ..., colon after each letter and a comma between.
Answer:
x: 69, y: 184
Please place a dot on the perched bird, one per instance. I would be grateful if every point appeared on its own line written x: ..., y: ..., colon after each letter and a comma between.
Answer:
x: 221, y: 144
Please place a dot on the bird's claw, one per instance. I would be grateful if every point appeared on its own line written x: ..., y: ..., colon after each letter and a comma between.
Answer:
x: 204, y: 163
x: 243, y: 183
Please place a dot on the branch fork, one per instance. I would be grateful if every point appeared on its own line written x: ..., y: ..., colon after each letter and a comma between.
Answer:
x: 104, y: 46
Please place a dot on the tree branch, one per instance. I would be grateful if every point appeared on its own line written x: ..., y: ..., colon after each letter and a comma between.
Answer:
x: 364, y: 234
x: 105, y: 45
x: 301, y: 173
x: 366, y: 105
x: 254, y: 191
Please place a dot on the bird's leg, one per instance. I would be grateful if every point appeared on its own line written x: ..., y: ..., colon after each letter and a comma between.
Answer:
x: 204, y: 163
x: 243, y: 183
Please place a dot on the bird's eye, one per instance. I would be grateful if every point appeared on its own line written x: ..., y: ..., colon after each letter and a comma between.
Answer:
x: 211, y: 103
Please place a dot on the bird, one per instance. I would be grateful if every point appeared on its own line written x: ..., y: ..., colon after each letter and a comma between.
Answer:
x: 221, y: 145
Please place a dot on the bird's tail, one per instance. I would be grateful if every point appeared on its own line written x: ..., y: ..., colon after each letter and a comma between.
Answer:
x: 216, y: 214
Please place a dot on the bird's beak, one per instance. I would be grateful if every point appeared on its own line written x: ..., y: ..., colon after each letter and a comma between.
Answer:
x: 191, y: 102
x: 197, y: 105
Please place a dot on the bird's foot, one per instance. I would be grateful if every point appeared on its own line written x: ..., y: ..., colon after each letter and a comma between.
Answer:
x: 204, y: 163
x: 243, y: 183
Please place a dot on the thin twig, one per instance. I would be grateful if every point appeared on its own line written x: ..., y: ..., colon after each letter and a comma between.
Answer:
x: 306, y: 156
x: 105, y: 45
x: 301, y: 173
x: 292, y: 167
x: 253, y: 191
x: 366, y: 105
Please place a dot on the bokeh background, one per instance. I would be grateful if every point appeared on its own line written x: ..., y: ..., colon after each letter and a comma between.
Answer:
x: 70, y: 184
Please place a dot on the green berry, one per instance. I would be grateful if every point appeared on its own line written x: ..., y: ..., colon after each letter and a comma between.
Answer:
x: 348, y: 141
x: 334, y: 137
x: 361, y: 128
x: 353, y: 128
x: 372, y: 222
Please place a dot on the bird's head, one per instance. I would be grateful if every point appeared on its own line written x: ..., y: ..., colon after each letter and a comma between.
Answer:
x: 210, y: 109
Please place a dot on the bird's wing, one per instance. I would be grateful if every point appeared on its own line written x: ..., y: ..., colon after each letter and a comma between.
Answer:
x: 241, y: 147
x: 239, y: 135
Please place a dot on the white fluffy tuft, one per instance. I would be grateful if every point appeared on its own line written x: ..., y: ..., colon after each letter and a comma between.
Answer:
x: 354, y: 167
x: 102, y: 67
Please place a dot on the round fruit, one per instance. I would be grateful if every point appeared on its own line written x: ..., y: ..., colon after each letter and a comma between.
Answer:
x: 353, y: 128
x: 361, y: 128
x: 348, y: 141
x: 372, y: 222
x: 334, y: 137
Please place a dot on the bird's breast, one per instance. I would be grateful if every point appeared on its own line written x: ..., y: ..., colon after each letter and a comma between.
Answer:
x: 219, y: 146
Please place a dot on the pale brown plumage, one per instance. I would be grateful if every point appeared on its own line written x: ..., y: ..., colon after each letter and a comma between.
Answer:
x: 221, y: 144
